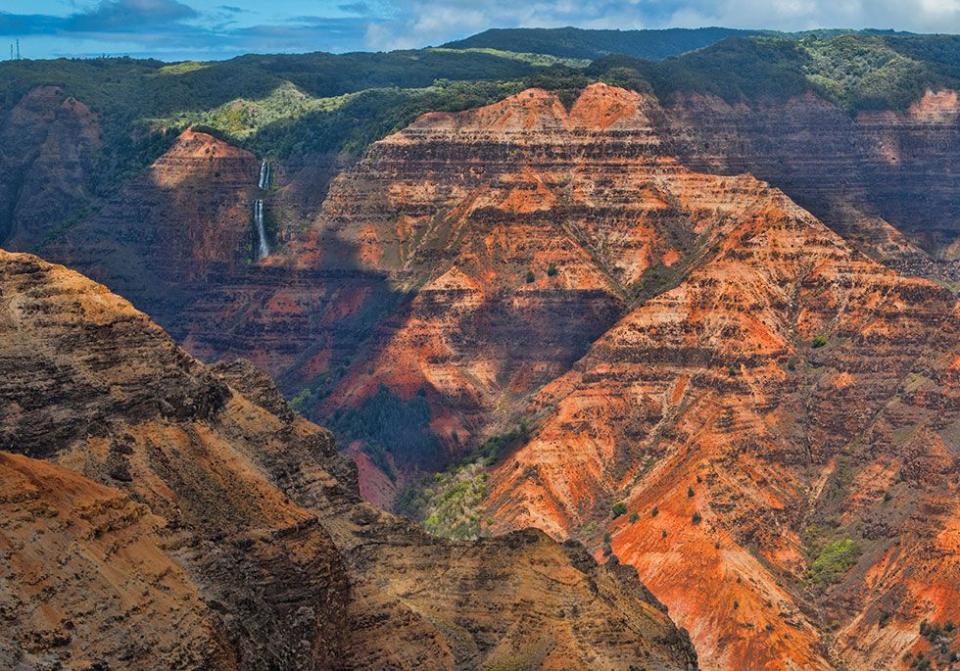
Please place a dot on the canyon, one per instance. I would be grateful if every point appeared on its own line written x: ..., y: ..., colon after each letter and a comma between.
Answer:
x: 189, y: 505
x: 699, y: 359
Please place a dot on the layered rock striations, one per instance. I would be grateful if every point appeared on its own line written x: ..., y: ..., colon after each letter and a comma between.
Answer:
x: 186, y: 221
x: 881, y: 179
x: 756, y: 424
x: 775, y: 412
x: 525, y: 229
x: 157, y: 512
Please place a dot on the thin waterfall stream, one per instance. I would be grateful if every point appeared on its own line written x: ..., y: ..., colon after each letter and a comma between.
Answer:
x: 263, y: 248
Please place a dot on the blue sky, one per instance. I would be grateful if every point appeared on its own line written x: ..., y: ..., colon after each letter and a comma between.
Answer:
x: 209, y: 29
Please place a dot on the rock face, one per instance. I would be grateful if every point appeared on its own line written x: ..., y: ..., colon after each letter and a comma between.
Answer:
x: 111, y: 566
x: 872, y: 178
x: 189, y: 505
x: 776, y: 421
x: 48, y: 145
x: 413, y: 276
x: 183, y: 223
x: 777, y: 409
x: 524, y: 229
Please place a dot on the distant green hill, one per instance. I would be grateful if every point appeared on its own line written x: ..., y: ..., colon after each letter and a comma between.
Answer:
x: 592, y: 44
x: 858, y: 71
x: 295, y: 105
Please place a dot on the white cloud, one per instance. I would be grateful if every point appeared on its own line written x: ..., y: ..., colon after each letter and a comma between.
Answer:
x: 419, y: 22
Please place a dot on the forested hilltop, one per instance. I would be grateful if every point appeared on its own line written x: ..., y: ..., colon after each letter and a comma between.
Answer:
x: 294, y: 105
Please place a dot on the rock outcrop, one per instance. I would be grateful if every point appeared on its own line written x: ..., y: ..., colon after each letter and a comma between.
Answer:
x: 184, y: 517
x: 525, y: 229
x: 48, y: 148
x: 776, y: 411
x: 755, y: 422
x: 881, y: 179
x: 183, y: 223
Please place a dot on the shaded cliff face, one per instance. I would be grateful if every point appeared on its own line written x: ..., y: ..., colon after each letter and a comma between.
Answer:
x: 869, y: 177
x: 186, y: 219
x: 179, y: 241
x: 189, y: 494
x: 94, y: 385
x: 48, y: 145
x: 780, y: 429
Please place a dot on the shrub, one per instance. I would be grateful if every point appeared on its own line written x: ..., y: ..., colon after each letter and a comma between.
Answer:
x: 618, y: 509
x: 634, y: 517
x: 552, y: 270
x: 690, y: 492
x: 696, y: 518
x: 496, y: 446
x: 833, y: 561
x: 654, y: 511
x: 818, y: 342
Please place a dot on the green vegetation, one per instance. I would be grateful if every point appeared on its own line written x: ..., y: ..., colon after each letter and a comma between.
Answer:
x: 589, y: 44
x: 618, y: 509
x: 530, y: 277
x: 859, y: 71
x: 832, y: 561
x: 450, y: 505
x: 552, y: 270
x: 241, y: 118
x: 634, y: 517
x: 496, y: 446
x: 697, y: 518
x: 819, y: 341
x: 386, y: 423
x: 538, y: 60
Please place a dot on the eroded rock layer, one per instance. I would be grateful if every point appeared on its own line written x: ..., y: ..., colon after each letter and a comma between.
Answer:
x: 525, y: 229
x: 771, y: 428
x: 191, y: 520
x: 874, y: 178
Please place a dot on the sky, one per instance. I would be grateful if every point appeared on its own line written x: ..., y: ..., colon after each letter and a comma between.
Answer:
x: 213, y: 29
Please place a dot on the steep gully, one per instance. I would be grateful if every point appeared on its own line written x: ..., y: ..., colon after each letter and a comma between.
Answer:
x: 415, y: 218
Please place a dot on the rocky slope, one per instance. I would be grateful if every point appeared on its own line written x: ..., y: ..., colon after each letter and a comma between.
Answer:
x: 778, y: 410
x: 184, y: 222
x: 48, y: 147
x: 525, y: 228
x: 780, y: 431
x: 191, y: 505
x: 414, y: 273
x: 874, y: 178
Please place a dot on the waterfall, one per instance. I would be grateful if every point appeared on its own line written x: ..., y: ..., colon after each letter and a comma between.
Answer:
x: 264, y: 182
x: 263, y: 248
